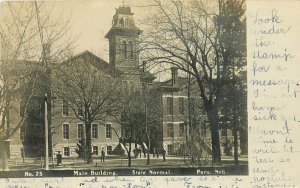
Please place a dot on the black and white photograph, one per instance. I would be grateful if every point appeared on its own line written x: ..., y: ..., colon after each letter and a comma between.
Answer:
x: 123, y: 88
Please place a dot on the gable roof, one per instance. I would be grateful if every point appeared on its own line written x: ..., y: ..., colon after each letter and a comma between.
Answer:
x: 96, y: 62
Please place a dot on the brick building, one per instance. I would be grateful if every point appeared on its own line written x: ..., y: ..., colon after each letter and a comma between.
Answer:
x: 173, y: 102
x: 170, y: 99
x: 123, y: 60
x: 64, y: 128
x: 182, y: 114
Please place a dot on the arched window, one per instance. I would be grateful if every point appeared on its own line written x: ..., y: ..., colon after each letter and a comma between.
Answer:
x: 131, y: 50
x: 122, y: 22
x: 126, y: 22
x: 124, y: 49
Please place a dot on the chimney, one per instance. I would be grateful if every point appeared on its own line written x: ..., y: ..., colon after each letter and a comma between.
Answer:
x: 174, y: 72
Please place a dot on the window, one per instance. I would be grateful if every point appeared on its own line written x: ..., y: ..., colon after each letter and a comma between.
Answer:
x: 94, y: 131
x: 108, y: 130
x: 95, y: 150
x: 131, y: 87
x: 80, y: 109
x: 109, y: 150
x: 181, y: 105
x: 131, y: 50
x: 124, y: 49
x: 170, y: 149
x: 79, y: 130
x: 66, y: 131
x: 39, y: 112
x: 126, y: 22
x: 122, y: 22
x: 169, y: 105
x: 181, y: 129
x: 65, y: 108
x: 126, y: 132
x: 170, y: 130
x: 66, y: 151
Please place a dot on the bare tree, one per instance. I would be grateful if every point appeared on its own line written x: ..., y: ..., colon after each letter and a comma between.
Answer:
x: 140, y: 121
x: 91, y: 89
x: 25, y: 30
x: 131, y: 119
x: 202, y: 38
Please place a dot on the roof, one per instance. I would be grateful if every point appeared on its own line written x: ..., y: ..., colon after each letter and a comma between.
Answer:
x: 167, y: 85
x: 181, y: 81
x: 147, y: 76
x: 96, y: 62
x: 124, y: 10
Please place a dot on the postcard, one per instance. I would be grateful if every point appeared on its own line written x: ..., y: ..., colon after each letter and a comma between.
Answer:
x: 187, y: 93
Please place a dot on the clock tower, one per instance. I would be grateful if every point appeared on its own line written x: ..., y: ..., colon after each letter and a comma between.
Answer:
x: 123, y: 41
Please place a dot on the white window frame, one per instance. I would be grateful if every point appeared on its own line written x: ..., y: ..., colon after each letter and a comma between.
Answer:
x: 110, y: 130
x: 170, y: 148
x: 181, y: 99
x: 109, y: 150
x: 63, y: 106
x: 80, y: 137
x: 169, y: 131
x: 97, y: 151
x: 181, y: 131
x: 69, y: 152
x: 93, y: 124
x: 80, y: 108
x: 171, y: 107
x: 63, y: 132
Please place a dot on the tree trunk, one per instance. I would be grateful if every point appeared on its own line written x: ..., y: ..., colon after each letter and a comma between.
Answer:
x: 88, y: 149
x: 235, y: 144
x: 215, y: 138
x: 148, y: 152
x: 129, y: 155
x: 4, y: 161
x: 244, y: 141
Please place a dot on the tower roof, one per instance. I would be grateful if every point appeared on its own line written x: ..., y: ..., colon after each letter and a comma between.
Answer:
x: 123, y: 9
x: 123, y: 23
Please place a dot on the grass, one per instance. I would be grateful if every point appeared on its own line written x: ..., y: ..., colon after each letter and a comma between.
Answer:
x: 111, y: 162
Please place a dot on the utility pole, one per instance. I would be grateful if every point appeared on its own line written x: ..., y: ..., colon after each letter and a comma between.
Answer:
x: 46, y: 134
x: 146, y: 123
